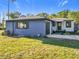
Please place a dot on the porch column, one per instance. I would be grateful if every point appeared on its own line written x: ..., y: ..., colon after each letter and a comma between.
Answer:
x: 50, y: 27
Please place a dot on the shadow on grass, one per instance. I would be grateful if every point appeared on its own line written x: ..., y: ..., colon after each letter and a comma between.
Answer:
x: 60, y: 42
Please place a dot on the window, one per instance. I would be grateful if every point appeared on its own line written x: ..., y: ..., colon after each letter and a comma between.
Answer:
x: 53, y: 23
x: 59, y: 23
x: 68, y: 24
x: 22, y: 25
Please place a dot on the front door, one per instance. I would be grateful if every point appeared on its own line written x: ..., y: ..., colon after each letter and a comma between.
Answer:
x: 47, y: 27
x: 59, y: 26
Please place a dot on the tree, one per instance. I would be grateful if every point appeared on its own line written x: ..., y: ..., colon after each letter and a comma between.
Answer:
x: 66, y: 14
x: 13, y: 15
x: 52, y: 16
x: 74, y: 15
x: 42, y: 15
x: 63, y: 14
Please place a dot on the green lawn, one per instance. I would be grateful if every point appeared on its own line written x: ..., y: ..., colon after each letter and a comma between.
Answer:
x: 38, y: 48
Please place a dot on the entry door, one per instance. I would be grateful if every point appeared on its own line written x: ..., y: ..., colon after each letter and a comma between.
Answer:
x: 59, y: 26
x: 48, y: 28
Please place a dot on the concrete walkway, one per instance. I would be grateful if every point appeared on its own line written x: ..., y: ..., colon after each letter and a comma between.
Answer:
x: 74, y: 37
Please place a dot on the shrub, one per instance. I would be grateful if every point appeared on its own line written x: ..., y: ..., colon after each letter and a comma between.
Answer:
x: 3, y: 33
x: 67, y: 33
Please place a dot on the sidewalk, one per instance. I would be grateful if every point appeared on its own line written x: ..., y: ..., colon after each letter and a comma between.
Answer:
x: 74, y: 37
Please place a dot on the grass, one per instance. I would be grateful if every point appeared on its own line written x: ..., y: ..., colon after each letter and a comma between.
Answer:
x: 38, y: 48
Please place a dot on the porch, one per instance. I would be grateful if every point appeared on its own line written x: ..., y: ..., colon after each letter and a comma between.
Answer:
x: 60, y: 26
x: 55, y: 27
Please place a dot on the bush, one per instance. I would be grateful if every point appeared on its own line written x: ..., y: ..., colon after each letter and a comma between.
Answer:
x: 6, y: 33
x: 1, y: 28
x: 67, y: 33
x: 3, y: 33
x: 75, y: 33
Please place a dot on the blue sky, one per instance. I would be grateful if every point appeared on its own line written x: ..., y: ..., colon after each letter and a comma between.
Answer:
x: 37, y: 6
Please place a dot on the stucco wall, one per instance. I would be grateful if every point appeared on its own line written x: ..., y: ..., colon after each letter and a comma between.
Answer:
x: 54, y: 28
x: 9, y: 27
x: 35, y: 28
x: 71, y: 29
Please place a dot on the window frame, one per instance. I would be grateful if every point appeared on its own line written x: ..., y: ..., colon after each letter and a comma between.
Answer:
x: 53, y: 23
x: 26, y: 23
x: 69, y: 24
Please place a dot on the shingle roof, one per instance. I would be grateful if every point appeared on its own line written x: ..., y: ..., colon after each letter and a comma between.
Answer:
x: 62, y: 19
x: 29, y: 18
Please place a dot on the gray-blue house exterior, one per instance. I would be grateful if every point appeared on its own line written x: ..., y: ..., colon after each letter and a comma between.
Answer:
x: 34, y: 26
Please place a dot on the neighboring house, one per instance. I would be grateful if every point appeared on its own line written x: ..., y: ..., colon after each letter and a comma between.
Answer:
x: 28, y: 26
x: 0, y: 26
x: 38, y: 26
x: 3, y: 24
x: 63, y: 24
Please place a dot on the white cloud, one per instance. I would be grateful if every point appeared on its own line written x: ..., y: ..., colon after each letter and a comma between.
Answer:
x: 64, y: 3
x: 59, y: 3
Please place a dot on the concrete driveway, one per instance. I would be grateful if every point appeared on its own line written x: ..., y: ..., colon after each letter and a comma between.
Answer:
x: 74, y: 37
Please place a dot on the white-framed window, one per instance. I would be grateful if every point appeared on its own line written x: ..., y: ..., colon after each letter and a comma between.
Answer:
x: 22, y: 25
x: 68, y: 24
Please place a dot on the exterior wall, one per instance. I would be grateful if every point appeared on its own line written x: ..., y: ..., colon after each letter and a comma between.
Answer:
x: 69, y: 29
x: 76, y: 27
x: 63, y: 25
x: 35, y: 28
x: 9, y: 27
x: 54, y: 28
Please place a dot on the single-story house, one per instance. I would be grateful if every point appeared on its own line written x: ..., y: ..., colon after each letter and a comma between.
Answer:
x: 28, y: 26
x: 38, y: 26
